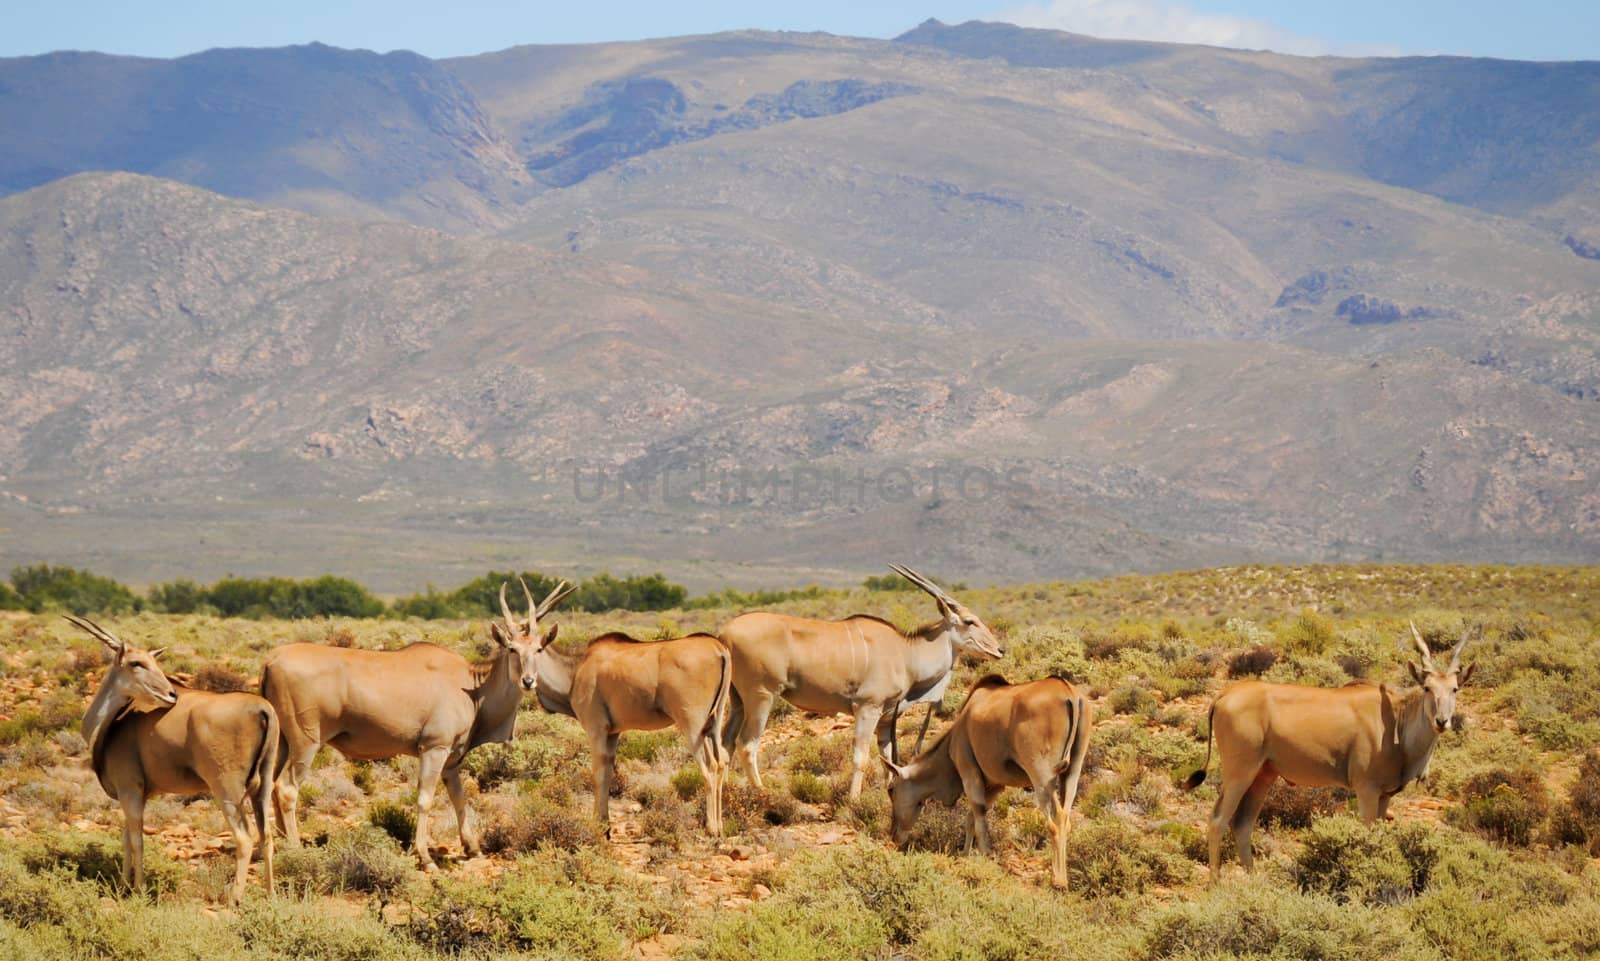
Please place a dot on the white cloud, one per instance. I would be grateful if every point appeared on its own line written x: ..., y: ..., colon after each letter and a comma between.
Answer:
x: 1168, y: 20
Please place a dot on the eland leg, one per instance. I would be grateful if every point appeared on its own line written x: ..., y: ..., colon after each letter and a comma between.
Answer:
x: 1235, y: 785
x: 603, y: 748
x: 868, y: 717
x: 133, y: 838
x: 458, y: 800
x: 756, y: 709
x: 1244, y: 819
x: 428, y: 772
x: 1059, y: 817
x: 287, y: 791
x: 708, y: 754
x: 239, y: 826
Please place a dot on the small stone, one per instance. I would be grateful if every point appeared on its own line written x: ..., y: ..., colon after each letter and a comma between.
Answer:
x: 760, y: 892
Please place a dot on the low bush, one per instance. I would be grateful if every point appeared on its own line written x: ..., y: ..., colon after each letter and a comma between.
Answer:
x: 1252, y: 663
x: 1381, y: 863
x: 535, y: 824
x: 1257, y: 918
x: 1310, y: 633
x: 747, y: 807
x: 222, y: 679
x: 1187, y: 839
x: 363, y: 859
x: 1297, y: 807
x: 645, y: 745
x: 809, y: 788
x: 98, y: 859
x: 527, y: 758
x: 399, y: 821
x: 688, y: 781
x: 1111, y: 858
x: 1503, y: 805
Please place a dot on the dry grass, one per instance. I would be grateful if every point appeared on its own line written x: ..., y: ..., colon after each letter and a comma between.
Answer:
x: 1151, y: 650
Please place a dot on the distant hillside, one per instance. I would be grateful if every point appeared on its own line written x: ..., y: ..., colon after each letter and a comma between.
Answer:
x: 1022, y: 303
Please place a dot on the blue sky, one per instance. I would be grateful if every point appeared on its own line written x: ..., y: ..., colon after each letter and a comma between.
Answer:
x: 1530, y: 29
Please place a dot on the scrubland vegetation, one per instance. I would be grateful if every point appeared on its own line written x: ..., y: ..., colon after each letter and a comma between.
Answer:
x: 1493, y: 856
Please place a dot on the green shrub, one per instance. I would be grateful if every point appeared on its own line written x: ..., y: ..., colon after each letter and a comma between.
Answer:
x: 1506, y: 806
x: 362, y: 777
x: 645, y: 745
x: 281, y: 597
x: 279, y: 928
x: 45, y: 588
x: 527, y: 758
x: 1298, y: 807
x: 98, y: 860
x: 1257, y: 918
x: 688, y: 781
x: 176, y: 597
x: 1110, y: 858
x: 809, y: 788
x: 1187, y: 839
x: 59, y: 711
x: 536, y: 824
x: 1310, y: 633
x: 1373, y: 864
x: 637, y: 592
x: 363, y: 859
x: 431, y: 606
x: 399, y: 821
x: 785, y: 931
x: 1133, y: 698
x: 549, y: 906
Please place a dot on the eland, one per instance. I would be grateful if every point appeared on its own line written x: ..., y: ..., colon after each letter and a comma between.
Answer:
x: 1366, y: 737
x: 1032, y: 735
x: 618, y: 684
x: 421, y: 701
x: 147, y: 736
x: 862, y: 666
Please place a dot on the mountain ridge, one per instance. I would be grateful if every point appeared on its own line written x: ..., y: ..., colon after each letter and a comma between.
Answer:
x: 1161, y: 289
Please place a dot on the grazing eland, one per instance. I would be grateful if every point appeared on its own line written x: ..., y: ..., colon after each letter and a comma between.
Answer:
x: 147, y: 736
x: 1366, y: 737
x: 1032, y: 735
x: 862, y: 666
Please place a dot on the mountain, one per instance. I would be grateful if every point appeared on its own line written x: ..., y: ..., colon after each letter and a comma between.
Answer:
x: 763, y: 307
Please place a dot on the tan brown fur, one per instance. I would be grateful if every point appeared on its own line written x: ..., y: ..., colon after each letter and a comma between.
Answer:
x: 618, y: 684
x: 1033, y: 735
x: 148, y: 737
x: 862, y: 666
x: 1371, y: 739
x: 421, y: 701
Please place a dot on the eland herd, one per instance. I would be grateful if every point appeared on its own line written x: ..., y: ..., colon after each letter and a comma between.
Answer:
x: 148, y: 736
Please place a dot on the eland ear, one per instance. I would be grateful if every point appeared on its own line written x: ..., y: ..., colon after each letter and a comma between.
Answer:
x: 1417, y: 673
x: 549, y: 636
x: 157, y: 652
x: 1466, y: 674
x: 896, y: 772
x: 498, y: 635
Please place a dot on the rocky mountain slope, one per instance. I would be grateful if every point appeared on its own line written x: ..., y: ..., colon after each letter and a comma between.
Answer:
x: 761, y: 306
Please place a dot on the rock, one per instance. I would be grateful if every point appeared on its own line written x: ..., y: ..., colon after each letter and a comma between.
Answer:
x: 760, y: 892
